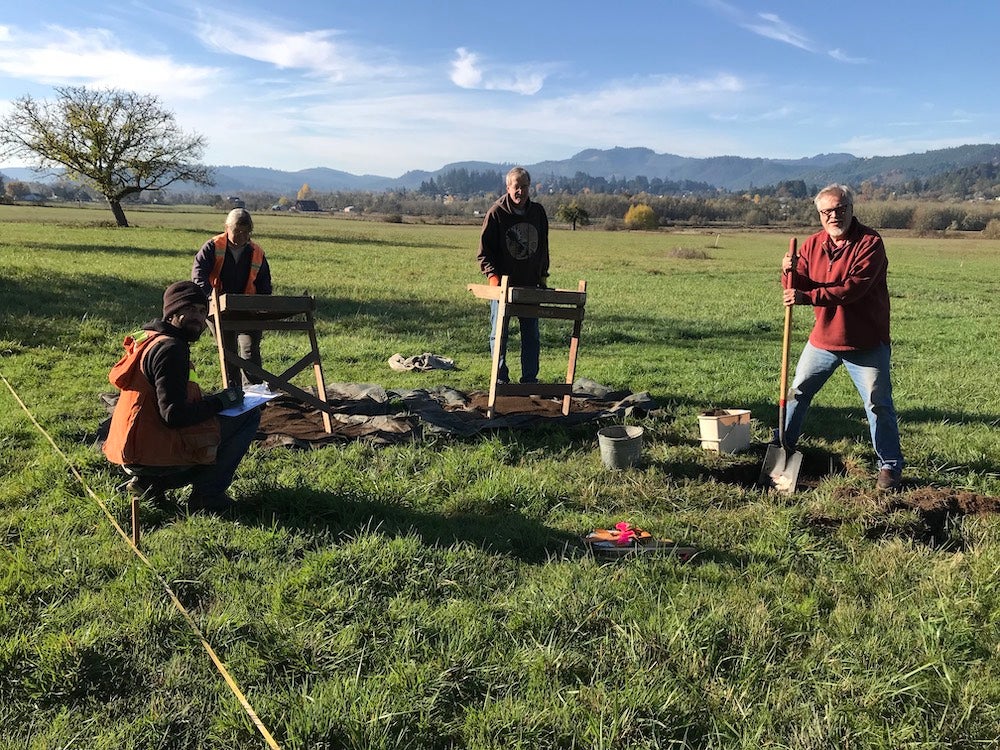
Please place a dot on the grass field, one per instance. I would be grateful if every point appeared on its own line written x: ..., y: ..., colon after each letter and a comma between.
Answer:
x: 431, y: 595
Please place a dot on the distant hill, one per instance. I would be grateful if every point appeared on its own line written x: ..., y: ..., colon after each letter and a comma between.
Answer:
x: 240, y: 179
x: 26, y: 175
x: 742, y: 173
x: 727, y: 172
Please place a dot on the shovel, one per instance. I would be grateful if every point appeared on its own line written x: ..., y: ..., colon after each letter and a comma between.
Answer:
x: 781, y: 465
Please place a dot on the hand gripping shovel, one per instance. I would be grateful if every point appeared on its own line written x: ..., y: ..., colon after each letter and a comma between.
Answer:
x: 781, y: 465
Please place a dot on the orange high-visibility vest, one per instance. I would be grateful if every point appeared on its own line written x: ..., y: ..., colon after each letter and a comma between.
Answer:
x: 256, y: 261
x: 138, y: 435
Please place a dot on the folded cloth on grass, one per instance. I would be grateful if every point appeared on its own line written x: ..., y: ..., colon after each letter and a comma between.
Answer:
x: 421, y: 362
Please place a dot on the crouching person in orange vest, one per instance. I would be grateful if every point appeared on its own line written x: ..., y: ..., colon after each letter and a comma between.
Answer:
x: 164, y: 433
x: 233, y: 264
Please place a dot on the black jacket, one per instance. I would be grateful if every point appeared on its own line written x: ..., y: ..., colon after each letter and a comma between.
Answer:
x: 168, y: 369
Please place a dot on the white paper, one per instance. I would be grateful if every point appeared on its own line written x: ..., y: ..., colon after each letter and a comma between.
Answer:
x: 254, y: 395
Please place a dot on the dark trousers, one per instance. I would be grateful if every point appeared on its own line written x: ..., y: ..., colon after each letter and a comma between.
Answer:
x: 210, y: 480
x: 247, y: 345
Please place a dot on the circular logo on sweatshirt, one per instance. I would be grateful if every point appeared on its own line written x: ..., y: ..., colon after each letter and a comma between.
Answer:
x: 522, y: 241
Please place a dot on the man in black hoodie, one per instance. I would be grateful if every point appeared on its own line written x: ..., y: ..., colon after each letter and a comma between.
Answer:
x: 515, y: 243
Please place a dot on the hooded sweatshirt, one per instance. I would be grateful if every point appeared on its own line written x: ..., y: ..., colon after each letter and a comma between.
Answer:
x: 515, y: 242
x: 160, y: 418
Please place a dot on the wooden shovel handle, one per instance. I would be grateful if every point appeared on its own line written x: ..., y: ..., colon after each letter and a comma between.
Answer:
x: 786, y: 345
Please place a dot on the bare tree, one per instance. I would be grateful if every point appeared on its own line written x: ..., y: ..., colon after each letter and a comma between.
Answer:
x: 118, y: 142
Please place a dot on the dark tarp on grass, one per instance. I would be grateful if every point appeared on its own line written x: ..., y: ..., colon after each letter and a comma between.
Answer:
x: 381, y: 416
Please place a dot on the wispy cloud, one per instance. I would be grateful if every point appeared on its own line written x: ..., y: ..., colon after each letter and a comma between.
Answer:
x: 655, y: 93
x: 324, y: 53
x: 297, y: 96
x: 772, y: 115
x: 771, y: 26
x: 649, y: 111
x: 841, y: 56
x: 321, y: 103
x: 94, y: 57
x: 469, y: 72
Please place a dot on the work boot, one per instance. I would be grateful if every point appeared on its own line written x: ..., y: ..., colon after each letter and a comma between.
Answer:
x: 889, y: 480
x: 146, y: 488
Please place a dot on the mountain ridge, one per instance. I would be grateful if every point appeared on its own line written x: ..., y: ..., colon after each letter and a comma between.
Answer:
x: 726, y: 172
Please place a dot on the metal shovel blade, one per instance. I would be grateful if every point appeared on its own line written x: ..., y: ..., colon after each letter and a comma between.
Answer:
x: 780, y: 470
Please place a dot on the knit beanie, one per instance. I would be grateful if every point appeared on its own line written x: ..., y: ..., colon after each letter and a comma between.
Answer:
x: 180, y: 294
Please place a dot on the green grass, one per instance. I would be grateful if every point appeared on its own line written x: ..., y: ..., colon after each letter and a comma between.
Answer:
x: 432, y: 595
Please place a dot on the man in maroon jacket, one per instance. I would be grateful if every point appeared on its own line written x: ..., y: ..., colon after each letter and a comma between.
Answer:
x: 841, y: 272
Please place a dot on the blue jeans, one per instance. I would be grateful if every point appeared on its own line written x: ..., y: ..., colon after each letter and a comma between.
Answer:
x: 531, y: 346
x: 869, y: 369
x: 236, y: 435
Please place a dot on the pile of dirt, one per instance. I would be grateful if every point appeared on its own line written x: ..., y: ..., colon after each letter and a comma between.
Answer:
x: 935, y: 519
x: 943, y: 500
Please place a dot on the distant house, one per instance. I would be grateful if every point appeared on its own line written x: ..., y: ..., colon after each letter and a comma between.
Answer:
x: 236, y: 202
x: 306, y: 206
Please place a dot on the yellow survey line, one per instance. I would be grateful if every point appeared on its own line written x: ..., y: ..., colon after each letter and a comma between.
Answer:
x: 166, y: 587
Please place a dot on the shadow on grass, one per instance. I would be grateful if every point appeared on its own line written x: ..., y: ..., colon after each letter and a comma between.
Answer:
x: 396, y: 317
x: 838, y: 423
x: 135, y: 253
x: 40, y: 309
x: 335, y: 237
x: 603, y: 330
x: 313, y: 512
x: 330, y: 517
x: 98, y: 672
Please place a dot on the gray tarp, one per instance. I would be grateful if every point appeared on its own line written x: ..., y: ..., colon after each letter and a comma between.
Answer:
x: 373, y: 413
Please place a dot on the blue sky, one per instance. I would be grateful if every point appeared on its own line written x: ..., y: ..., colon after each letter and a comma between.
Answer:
x: 385, y: 87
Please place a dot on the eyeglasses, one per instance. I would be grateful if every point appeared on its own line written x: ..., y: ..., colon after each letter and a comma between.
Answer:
x: 838, y: 210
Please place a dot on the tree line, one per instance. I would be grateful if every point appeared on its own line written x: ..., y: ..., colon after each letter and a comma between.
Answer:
x: 606, y: 211
x: 465, y: 183
x: 126, y: 148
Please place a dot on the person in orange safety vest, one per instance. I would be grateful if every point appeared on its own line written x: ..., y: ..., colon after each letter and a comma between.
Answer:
x: 164, y: 432
x: 231, y: 263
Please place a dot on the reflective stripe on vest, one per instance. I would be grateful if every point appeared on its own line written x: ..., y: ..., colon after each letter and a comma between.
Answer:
x: 140, y: 336
x: 256, y: 261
